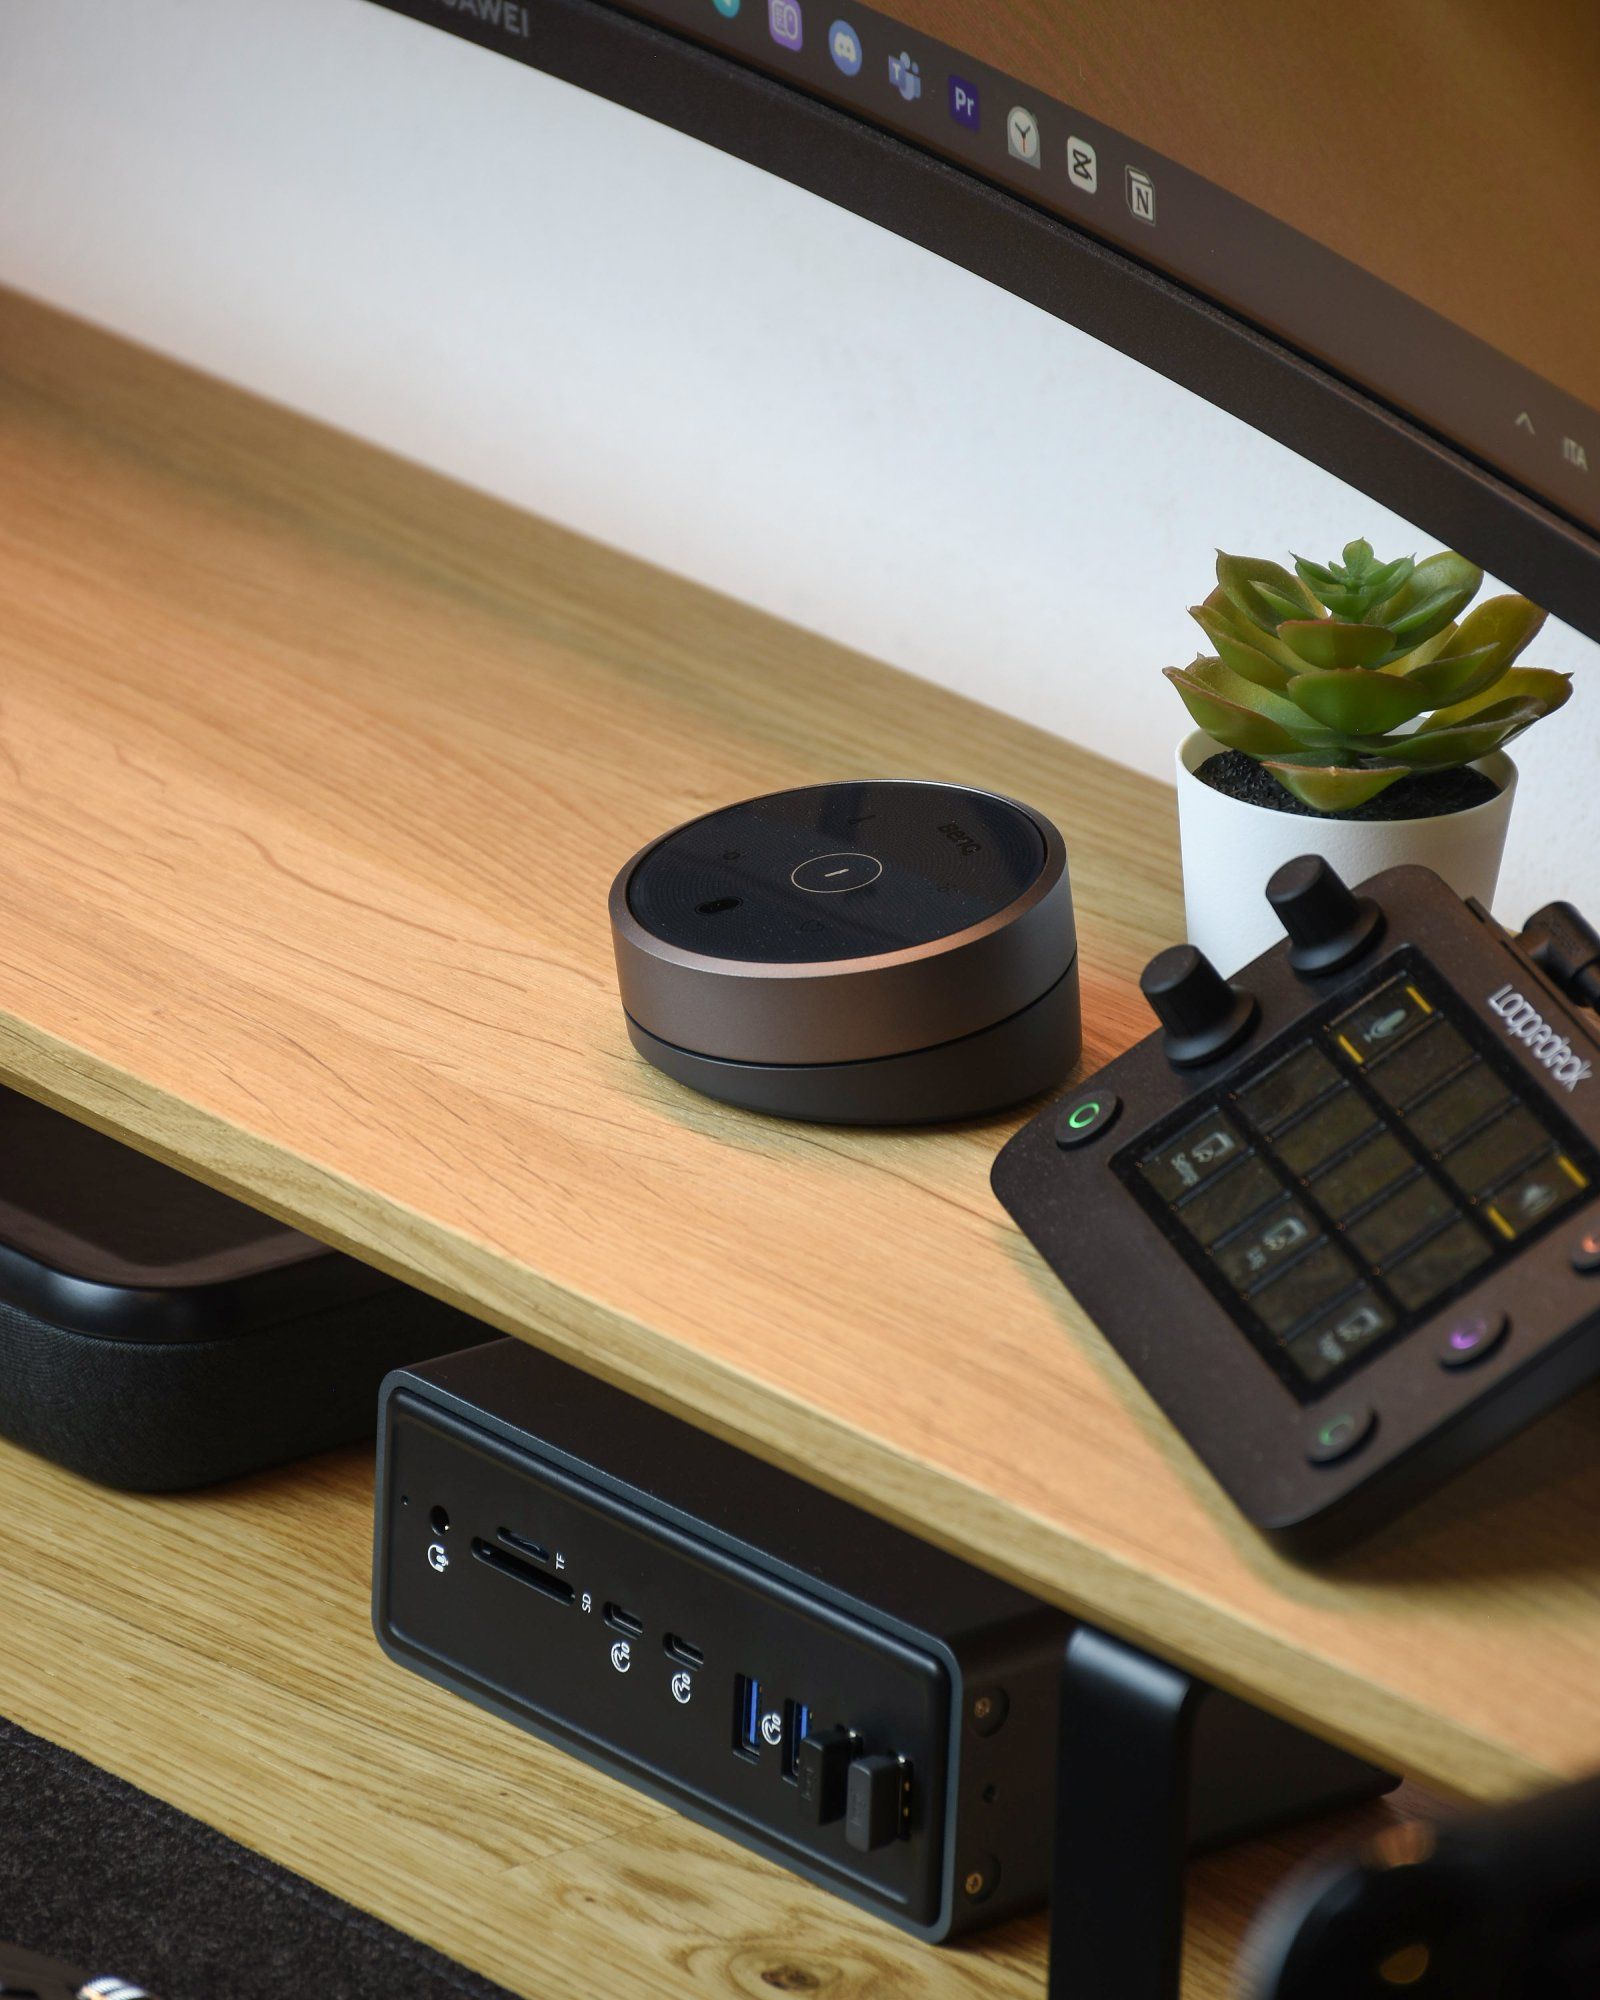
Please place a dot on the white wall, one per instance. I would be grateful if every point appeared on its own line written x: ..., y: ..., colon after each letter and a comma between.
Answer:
x: 618, y: 327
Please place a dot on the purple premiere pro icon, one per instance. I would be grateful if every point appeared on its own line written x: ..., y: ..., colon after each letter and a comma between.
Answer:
x: 784, y: 19
x: 964, y: 102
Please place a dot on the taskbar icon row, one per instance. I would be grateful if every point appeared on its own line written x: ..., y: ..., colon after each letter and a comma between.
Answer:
x: 1024, y: 134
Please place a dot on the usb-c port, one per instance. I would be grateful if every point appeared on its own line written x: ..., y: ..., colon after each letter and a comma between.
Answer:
x: 621, y: 1620
x: 747, y: 1715
x: 681, y: 1651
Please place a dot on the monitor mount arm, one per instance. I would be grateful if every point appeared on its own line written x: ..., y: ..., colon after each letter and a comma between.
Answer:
x: 1154, y: 1765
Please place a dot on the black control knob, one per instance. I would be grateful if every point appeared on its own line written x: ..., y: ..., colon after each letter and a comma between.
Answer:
x: 1329, y: 926
x: 1566, y: 946
x: 1203, y: 1015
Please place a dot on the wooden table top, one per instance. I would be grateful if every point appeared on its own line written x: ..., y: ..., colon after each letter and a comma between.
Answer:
x: 314, y: 772
x: 216, y: 1649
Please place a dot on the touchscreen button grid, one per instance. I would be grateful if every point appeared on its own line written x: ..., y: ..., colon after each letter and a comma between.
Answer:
x: 1339, y: 1191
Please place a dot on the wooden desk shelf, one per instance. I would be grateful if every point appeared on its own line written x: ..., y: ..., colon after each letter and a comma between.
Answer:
x: 314, y: 771
x: 216, y: 1649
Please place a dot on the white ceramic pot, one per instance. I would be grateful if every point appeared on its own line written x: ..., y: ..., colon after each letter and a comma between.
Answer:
x: 1230, y: 850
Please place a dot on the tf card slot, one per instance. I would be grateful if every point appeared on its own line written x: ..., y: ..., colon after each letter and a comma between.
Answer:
x: 523, y: 1572
x: 523, y: 1545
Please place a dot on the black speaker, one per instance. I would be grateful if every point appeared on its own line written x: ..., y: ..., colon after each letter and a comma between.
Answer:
x: 887, y: 952
x: 155, y: 1334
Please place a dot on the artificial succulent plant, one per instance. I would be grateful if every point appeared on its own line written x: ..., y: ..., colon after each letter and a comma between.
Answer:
x: 1341, y: 678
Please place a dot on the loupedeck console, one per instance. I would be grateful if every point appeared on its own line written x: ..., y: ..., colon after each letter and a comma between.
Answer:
x: 1360, y: 1186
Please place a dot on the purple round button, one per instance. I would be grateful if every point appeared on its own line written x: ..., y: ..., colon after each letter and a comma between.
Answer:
x: 1470, y: 1339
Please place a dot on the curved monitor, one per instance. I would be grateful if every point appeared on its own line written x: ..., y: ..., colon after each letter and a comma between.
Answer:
x: 1370, y: 235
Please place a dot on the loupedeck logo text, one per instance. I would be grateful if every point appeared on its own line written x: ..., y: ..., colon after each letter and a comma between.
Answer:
x: 498, y: 13
x: 1524, y: 1023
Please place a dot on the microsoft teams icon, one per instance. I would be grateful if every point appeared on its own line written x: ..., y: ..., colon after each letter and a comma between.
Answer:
x: 905, y: 75
x: 964, y: 102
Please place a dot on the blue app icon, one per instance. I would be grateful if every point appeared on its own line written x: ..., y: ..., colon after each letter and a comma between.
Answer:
x: 726, y: 8
x: 964, y: 102
x: 844, y: 45
x: 905, y: 75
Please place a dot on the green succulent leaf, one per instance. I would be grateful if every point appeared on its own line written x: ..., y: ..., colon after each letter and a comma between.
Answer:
x: 1264, y: 592
x: 1331, y: 642
x: 1218, y: 678
x: 1357, y: 703
x: 1234, y: 723
x: 1436, y: 591
x: 1333, y: 788
x: 1246, y: 659
x: 1223, y: 611
x: 1507, y: 624
x: 1350, y: 589
x: 1430, y: 649
x: 1538, y: 687
x: 1463, y: 742
x: 1455, y: 676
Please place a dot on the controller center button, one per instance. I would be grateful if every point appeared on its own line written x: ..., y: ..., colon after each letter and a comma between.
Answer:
x: 832, y: 874
x: 1337, y: 1435
x: 1087, y: 1117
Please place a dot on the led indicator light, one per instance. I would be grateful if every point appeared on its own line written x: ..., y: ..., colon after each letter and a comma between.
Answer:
x: 1078, y: 1124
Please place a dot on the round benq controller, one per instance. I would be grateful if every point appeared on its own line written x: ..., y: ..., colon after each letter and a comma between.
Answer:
x: 882, y: 953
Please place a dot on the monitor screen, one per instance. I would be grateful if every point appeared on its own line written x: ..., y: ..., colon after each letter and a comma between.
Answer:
x: 1406, y: 194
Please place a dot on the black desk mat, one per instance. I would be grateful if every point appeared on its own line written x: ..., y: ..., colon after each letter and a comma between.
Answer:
x: 100, y: 1874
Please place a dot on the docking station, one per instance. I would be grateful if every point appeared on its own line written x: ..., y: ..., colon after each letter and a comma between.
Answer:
x: 867, y: 1710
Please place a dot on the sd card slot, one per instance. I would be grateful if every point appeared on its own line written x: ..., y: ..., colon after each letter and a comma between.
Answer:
x: 523, y: 1572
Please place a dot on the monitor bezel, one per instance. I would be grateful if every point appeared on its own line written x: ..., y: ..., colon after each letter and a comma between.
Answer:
x: 1181, y: 334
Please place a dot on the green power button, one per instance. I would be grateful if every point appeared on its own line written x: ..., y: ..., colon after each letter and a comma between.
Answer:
x: 1086, y: 1118
x: 1337, y: 1436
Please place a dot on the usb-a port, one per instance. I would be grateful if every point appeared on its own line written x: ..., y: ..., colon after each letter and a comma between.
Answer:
x: 747, y: 1715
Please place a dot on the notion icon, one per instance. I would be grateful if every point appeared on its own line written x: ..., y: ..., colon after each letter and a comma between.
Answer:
x: 1022, y: 135
x: 1141, y: 193
x: 964, y: 102
x: 905, y: 75
x: 783, y: 18
x: 1083, y: 166
x: 844, y: 45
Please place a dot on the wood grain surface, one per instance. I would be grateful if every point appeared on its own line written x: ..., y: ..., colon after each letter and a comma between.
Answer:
x: 216, y: 1650
x: 314, y: 771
